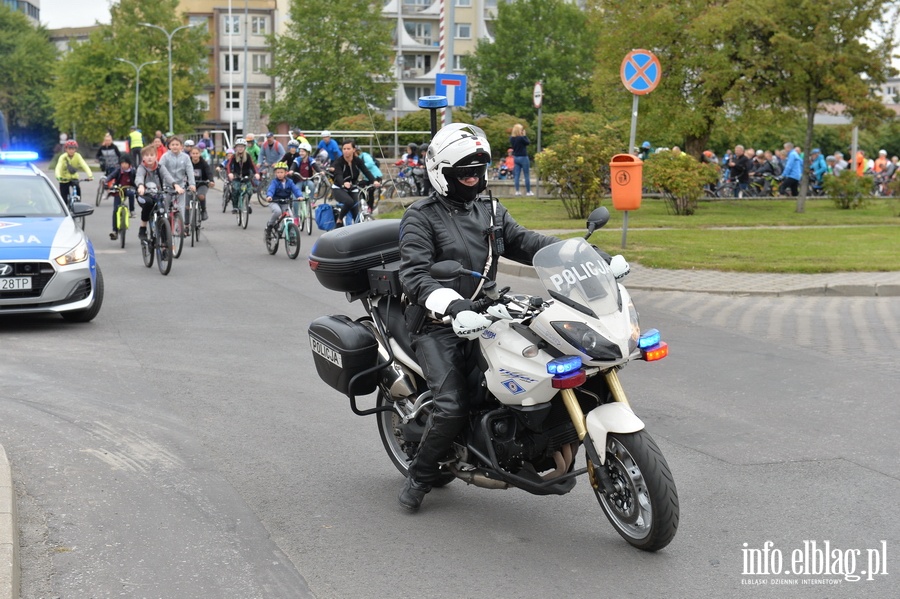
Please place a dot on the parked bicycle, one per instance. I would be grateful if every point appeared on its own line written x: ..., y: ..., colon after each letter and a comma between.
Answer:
x: 122, y: 214
x: 158, y: 243
x: 284, y: 228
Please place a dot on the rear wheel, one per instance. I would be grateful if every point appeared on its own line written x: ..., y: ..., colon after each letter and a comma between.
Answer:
x: 261, y: 190
x: 292, y: 241
x: 226, y: 197
x: 401, y: 441
x: 644, y: 510
x: 163, y: 246
x: 272, y: 239
x: 177, y: 234
x: 245, y: 210
x: 122, y: 224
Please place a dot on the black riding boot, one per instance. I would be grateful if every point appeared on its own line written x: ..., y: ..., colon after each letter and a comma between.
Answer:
x: 424, y: 469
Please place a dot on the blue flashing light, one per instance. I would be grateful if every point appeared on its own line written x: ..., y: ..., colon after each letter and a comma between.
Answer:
x: 564, y: 365
x: 433, y: 102
x: 649, y: 339
x: 18, y: 156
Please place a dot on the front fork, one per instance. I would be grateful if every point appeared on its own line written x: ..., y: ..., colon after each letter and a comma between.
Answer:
x: 599, y: 476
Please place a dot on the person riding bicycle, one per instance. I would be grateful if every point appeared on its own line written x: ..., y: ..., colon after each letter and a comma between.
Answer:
x: 453, y: 223
x: 180, y: 167
x: 293, y: 149
x: 150, y: 172
x: 281, y: 191
x: 124, y: 176
x: 271, y: 151
x: 329, y: 145
x: 241, y: 165
x: 303, y: 168
x: 67, y: 169
x: 252, y: 147
x: 370, y: 163
x: 347, y: 170
x: 108, y: 155
x: 203, y: 177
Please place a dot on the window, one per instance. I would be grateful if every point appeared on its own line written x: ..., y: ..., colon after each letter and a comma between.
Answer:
x: 463, y: 3
x: 260, y: 62
x: 462, y: 31
x: 202, y: 102
x: 457, y: 62
x: 232, y: 63
x: 198, y: 22
x: 232, y: 100
x: 232, y: 24
x: 259, y: 26
x: 420, y: 31
x: 263, y: 96
x: 416, y: 92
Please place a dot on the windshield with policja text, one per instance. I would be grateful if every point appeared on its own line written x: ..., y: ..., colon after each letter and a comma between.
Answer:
x: 574, y: 269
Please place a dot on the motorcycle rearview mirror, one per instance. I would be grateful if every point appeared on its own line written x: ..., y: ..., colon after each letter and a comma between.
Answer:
x: 447, y: 270
x: 596, y: 220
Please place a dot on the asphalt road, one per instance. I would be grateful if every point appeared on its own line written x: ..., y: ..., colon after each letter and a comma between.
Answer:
x: 181, y: 445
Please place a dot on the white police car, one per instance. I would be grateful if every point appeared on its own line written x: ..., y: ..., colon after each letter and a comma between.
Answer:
x: 47, y: 263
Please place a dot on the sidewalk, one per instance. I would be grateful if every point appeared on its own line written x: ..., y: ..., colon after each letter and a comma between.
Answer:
x: 865, y: 284
x: 9, y: 538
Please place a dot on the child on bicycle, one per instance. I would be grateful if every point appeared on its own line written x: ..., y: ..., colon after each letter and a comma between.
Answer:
x: 150, y: 172
x: 124, y: 176
x: 281, y: 191
x: 241, y: 165
x: 67, y: 169
x: 203, y: 178
x: 179, y: 166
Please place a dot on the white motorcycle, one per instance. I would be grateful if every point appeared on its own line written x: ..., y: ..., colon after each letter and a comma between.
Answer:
x: 546, y: 381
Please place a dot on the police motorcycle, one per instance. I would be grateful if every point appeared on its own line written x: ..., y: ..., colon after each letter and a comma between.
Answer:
x: 545, y: 383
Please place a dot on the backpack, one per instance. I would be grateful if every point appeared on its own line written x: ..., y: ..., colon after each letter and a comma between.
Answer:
x: 325, y: 217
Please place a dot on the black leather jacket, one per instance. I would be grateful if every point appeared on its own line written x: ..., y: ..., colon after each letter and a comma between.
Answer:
x: 433, y: 230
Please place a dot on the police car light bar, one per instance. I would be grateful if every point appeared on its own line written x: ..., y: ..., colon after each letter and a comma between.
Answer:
x: 18, y: 156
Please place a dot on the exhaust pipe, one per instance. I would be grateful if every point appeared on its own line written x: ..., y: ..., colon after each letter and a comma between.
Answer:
x: 474, y: 477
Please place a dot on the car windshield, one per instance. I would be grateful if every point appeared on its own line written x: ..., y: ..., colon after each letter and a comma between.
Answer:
x: 573, y: 268
x: 28, y: 196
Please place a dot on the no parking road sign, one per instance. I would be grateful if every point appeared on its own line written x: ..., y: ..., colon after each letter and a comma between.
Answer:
x: 640, y: 72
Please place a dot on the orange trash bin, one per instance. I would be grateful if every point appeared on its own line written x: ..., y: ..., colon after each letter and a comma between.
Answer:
x: 626, y: 181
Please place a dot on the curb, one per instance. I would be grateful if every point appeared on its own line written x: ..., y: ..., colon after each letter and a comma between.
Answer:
x: 9, y: 538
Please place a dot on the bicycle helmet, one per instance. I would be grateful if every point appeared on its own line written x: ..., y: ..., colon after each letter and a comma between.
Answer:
x: 240, y: 141
x: 229, y: 152
x: 249, y: 137
x: 307, y: 147
x: 326, y: 133
x: 201, y: 145
x: 280, y: 165
x: 71, y: 144
x: 294, y: 144
x: 188, y: 143
x: 458, y: 150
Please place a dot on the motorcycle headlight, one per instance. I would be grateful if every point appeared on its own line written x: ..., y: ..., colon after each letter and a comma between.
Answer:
x: 587, y: 340
x: 635, y: 326
x: 77, y: 254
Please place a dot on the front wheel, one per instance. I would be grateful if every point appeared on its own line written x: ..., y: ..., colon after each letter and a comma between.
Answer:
x: 177, y: 234
x: 644, y: 509
x: 245, y: 210
x: 164, y: 246
x: 272, y: 238
x: 292, y: 241
x: 401, y: 441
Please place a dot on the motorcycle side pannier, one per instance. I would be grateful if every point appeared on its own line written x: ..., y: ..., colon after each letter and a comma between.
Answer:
x: 341, y: 349
x: 341, y: 257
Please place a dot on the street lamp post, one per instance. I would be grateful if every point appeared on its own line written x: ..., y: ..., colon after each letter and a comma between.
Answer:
x: 169, y: 35
x: 137, y: 83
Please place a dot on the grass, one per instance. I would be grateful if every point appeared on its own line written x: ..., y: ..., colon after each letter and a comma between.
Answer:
x: 740, y: 235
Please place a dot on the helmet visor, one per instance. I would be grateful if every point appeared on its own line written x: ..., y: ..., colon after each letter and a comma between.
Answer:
x: 465, y: 172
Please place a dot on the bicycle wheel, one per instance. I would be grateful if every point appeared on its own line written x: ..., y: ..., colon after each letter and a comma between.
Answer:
x: 147, y: 252
x: 177, y: 234
x: 122, y: 223
x: 195, y: 223
x: 226, y: 197
x: 307, y: 216
x: 239, y: 214
x: 163, y: 246
x: 100, y: 191
x: 272, y: 239
x: 245, y: 209
x: 322, y: 188
x: 261, y: 190
x: 292, y: 241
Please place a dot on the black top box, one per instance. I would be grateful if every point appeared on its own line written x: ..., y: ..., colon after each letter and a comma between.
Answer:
x: 341, y: 257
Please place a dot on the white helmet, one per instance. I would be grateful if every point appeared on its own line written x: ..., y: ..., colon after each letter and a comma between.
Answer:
x: 326, y: 133
x: 305, y: 146
x: 457, y: 146
x: 240, y: 141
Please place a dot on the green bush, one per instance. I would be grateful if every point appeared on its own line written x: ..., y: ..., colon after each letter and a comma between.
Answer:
x: 560, y: 126
x: 577, y: 170
x: 498, y: 127
x: 848, y: 190
x: 365, y: 122
x: 680, y: 179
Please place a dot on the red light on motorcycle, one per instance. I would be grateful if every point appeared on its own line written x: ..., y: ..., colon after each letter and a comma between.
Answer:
x: 569, y: 381
x: 313, y: 264
x: 657, y: 352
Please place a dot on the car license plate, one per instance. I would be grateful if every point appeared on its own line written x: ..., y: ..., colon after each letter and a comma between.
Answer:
x: 15, y: 283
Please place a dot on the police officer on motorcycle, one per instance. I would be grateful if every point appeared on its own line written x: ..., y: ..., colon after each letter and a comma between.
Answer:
x: 453, y: 223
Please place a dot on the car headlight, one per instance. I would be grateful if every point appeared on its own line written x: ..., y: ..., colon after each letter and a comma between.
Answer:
x: 587, y: 340
x: 77, y: 254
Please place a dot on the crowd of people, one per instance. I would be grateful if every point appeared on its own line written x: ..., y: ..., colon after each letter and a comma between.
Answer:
x: 782, y: 169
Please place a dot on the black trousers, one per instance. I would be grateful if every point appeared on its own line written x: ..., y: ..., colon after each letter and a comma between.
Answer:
x: 446, y: 361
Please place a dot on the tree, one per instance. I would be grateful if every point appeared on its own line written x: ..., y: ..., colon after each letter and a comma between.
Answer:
x: 95, y: 92
x: 821, y: 51
x: 704, y: 48
x: 27, y: 75
x: 334, y: 69
x: 534, y: 40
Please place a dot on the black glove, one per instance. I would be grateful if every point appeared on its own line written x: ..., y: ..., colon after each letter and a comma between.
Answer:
x: 460, y: 305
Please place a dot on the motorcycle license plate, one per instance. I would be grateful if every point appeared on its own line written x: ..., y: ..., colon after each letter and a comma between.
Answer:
x: 15, y: 283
